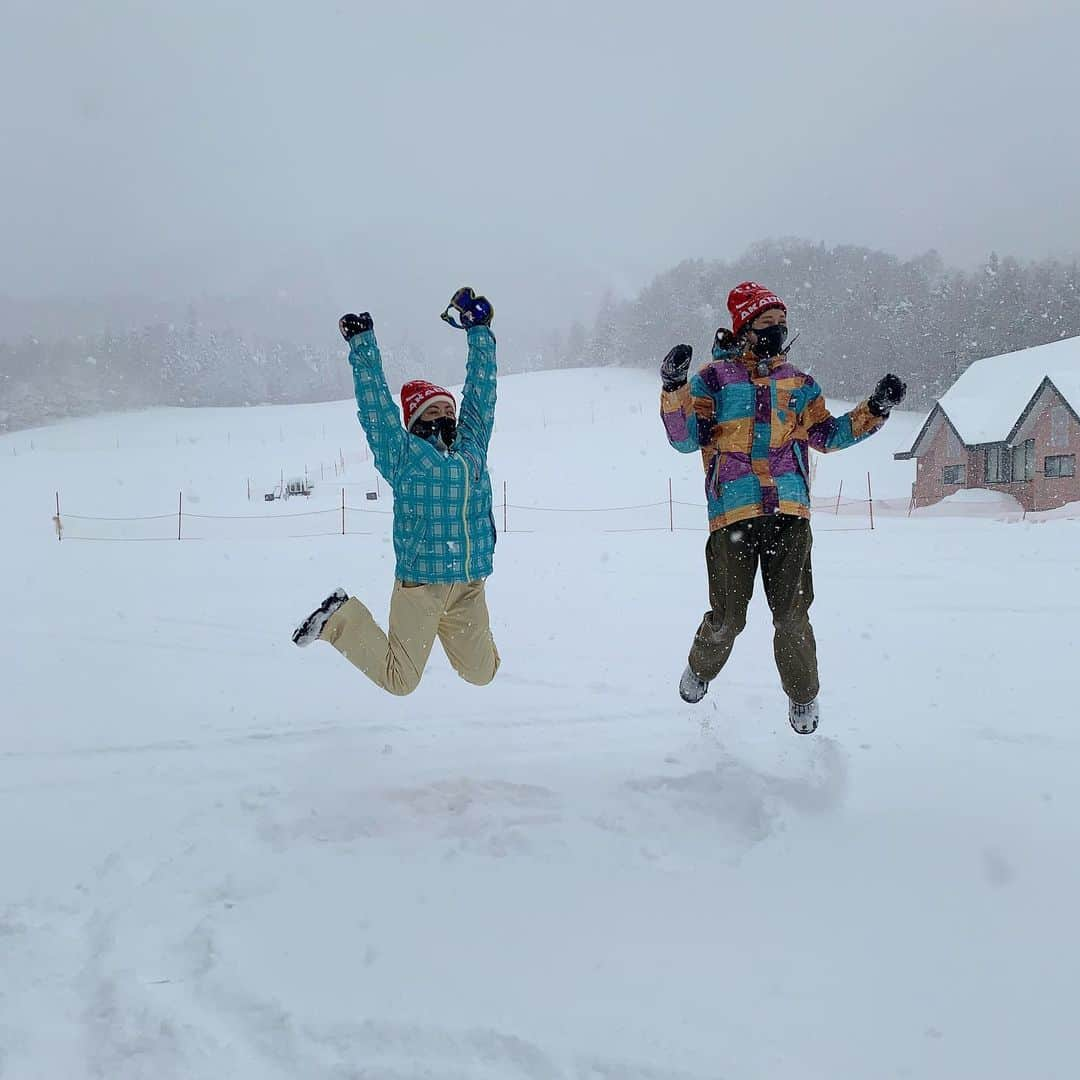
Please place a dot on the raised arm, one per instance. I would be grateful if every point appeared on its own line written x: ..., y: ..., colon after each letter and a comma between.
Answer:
x: 825, y: 432
x: 682, y: 404
x: 375, y: 406
x: 477, y: 416
x: 478, y: 398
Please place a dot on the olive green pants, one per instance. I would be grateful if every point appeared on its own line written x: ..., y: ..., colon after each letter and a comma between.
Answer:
x: 456, y: 614
x: 781, y: 545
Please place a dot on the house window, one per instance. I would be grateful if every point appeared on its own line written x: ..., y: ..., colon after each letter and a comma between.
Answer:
x: 1060, y: 465
x: 1023, y: 461
x: 1059, y: 426
x: 957, y: 474
x: 998, y: 464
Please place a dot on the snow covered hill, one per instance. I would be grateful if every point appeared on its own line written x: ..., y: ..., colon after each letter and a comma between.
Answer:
x: 227, y: 857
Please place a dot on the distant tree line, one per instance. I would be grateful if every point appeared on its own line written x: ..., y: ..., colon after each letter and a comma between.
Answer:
x: 186, y: 364
x: 860, y: 313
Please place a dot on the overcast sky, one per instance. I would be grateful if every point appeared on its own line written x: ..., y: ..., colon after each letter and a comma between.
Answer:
x: 376, y: 155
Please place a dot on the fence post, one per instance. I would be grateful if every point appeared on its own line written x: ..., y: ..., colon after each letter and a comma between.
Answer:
x: 670, y: 507
x: 342, y: 511
x: 870, y: 496
x: 839, y: 492
x: 505, y: 529
x: 180, y: 517
x: 59, y: 524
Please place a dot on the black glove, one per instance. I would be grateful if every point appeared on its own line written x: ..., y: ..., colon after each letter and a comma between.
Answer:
x: 474, y: 310
x: 350, y: 325
x: 674, y: 367
x: 889, y: 392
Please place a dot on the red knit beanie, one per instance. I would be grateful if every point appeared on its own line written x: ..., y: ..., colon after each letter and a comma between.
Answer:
x: 417, y: 395
x: 747, y: 301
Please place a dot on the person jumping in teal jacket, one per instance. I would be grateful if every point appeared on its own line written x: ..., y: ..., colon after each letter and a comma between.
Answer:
x: 444, y: 529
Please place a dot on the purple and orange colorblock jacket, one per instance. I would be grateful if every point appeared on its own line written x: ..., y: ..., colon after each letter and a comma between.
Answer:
x: 754, y: 432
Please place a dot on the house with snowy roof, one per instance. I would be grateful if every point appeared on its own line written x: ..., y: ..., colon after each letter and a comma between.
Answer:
x: 1010, y: 423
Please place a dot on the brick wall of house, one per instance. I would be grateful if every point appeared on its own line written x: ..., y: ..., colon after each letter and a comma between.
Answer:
x: 1049, y: 492
x: 944, y: 449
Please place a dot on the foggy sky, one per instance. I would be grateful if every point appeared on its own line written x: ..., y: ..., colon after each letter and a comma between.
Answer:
x: 356, y: 155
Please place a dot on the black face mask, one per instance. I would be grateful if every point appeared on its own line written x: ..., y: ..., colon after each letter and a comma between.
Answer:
x: 445, y: 427
x: 770, y: 340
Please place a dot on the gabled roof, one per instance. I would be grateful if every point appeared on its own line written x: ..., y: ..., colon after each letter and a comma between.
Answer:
x: 934, y: 421
x: 989, y: 401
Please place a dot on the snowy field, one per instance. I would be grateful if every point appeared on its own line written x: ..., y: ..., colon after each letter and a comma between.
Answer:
x: 224, y: 857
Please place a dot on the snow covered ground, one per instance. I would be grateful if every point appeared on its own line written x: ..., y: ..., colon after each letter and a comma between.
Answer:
x: 227, y: 857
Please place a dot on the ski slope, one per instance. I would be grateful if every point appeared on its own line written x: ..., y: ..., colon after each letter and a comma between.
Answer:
x: 227, y: 857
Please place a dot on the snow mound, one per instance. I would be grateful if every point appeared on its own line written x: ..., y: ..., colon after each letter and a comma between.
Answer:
x: 974, y: 502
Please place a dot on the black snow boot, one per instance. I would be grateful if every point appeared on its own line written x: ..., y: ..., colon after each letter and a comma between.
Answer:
x: 310, y: 629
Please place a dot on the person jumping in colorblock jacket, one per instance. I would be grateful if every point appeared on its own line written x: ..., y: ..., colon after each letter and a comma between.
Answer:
x: 444, y: 529
x: 754, y: 418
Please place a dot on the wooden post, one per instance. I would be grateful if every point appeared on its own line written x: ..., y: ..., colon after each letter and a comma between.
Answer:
x: 58, y: 523
x: 870, y: 496
x: 670, y: 507
x: 249, y: 488
x: 505, y: 529
x: 180, y: 517
x: 342, y: 511
x: 838, y: 494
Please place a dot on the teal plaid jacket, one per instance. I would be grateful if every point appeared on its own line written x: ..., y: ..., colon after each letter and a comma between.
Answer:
x: 444, y: 528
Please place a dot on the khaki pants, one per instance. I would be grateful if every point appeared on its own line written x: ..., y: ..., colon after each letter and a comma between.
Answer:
x: 781, y: 544
x: 456, y: 614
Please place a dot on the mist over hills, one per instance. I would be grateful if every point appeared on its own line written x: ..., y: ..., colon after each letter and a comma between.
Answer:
x: 860, y: 312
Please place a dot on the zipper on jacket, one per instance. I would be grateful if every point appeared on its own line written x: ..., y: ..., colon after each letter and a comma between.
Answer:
x: 712, y: 481
x: 465, y: 515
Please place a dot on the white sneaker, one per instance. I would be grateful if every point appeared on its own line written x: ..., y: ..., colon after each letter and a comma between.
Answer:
x: 803, y: 718
x: 312, y: 627
x: 692, y: 688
